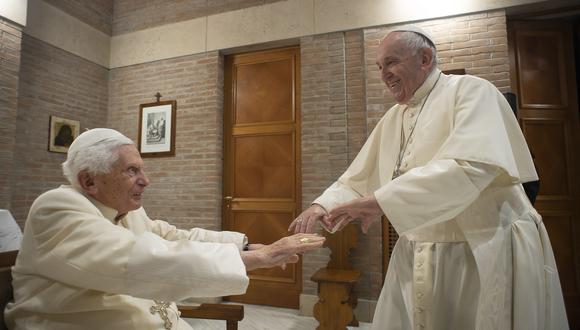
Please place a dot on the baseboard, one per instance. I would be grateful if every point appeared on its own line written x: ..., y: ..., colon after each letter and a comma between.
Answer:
x: 364, y: 310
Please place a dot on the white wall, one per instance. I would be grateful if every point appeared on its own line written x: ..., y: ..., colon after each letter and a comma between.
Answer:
x: 14, y: 10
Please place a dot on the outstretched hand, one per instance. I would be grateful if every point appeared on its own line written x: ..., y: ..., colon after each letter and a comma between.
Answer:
x: 306, y: 221
x: 283, y: 251
x: 365, y: 209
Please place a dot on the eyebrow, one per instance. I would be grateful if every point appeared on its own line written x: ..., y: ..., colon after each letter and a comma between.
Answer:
x: 134, y: 165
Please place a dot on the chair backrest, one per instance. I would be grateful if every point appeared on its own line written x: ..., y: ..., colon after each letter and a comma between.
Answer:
x: 7, y: 260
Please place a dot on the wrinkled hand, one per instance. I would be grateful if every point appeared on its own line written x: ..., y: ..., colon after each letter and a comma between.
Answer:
x: 291, y: 259
x: 365, y: 209
x: 283, y: 251
x: 306, y: 221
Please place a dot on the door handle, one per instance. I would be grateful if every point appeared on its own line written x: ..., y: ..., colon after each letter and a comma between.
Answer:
x: 228, y: 200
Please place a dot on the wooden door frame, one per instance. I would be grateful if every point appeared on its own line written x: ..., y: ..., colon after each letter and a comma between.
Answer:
x: 294, y: 124
x: 556, y: 206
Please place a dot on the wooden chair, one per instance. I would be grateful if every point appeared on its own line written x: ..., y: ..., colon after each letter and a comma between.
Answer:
x: 7, y: 260
x: 337, y: 297
x: 232, y: 314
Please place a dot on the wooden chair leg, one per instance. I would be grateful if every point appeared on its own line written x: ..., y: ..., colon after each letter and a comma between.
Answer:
x: 232, y: 325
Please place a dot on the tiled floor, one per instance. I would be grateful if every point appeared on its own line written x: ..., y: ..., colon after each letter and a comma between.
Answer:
x: 267, y: 318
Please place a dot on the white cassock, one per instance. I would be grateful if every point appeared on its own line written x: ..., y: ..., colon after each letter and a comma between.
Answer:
x: 77, y: 269
x: 473, y: 253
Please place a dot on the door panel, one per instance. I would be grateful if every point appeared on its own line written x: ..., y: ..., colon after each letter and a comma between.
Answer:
x: 264, y: 166
x: 257, y: 82
x: 262, y: 162
x: 541, y: 62
x: 544, y: 78
x: 549, y: 142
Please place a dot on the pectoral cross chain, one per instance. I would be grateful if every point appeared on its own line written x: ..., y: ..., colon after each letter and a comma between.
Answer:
x: 161, y: 308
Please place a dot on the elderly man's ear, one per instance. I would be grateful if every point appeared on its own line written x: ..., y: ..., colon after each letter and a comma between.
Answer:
x: 87, y: 182
x: 427, y: 56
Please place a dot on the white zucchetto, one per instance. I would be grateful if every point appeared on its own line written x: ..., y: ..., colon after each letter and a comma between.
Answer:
x: 416, y: 29
x: 92, y: 137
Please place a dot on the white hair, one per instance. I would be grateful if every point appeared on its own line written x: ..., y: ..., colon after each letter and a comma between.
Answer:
x: 416, y: 42
x: 95, y: 159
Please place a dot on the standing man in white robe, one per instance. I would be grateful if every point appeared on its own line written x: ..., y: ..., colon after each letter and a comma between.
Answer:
x: 445, y: 166
x: 92, y: 259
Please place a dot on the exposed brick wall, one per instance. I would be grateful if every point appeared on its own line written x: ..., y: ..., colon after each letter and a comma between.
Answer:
x: 355, y: 91
x: 133, y: 15
x: 185, y: 189
x: 52, y: 82
x: 96, y: 13
x: 10, y: 45
x: 324, y: 126
x: 342, y: 100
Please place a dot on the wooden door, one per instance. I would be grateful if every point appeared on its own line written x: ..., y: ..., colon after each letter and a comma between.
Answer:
x: 544, y: 79
x: 262, y: 162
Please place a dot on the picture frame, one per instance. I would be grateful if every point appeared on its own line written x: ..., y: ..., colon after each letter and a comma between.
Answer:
x: 62, y: 133
x: 157, y: 129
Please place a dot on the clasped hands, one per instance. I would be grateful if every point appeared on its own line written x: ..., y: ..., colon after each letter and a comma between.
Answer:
x: 365, y: 209
x: 285, y: 250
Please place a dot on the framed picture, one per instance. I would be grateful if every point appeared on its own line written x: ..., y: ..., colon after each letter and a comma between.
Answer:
x: 157, y: 129
x: 61, y: 134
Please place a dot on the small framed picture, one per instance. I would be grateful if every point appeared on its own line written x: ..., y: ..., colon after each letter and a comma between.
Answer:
x: 62, y: 132
x: 157, y: 129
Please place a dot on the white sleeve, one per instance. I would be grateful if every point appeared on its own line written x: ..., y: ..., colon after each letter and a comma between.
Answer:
x: 433, y: 193
x: 335, y: 195
x: 75, y: 245
x: 172, y: 233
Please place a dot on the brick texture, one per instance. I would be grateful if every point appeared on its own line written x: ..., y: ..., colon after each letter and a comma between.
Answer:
x: 96, y: 13
x: 10, y: 45
x: 133, y: 15
x: 324, y: 127
x: 186, y: 189
x: 52, y: 82
x: 342, y: 100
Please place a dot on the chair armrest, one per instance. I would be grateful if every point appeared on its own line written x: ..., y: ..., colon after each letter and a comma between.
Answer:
x: 8, y: 259
x: 213, y: 311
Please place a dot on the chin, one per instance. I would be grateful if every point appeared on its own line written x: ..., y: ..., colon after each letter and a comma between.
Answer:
x: 134, y: 205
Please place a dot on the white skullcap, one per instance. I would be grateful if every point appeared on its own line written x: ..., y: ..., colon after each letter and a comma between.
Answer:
x: 416, y: 29
x: 92, y: 137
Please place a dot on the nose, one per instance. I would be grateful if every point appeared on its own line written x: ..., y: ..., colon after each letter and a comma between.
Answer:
x: 143, y: 180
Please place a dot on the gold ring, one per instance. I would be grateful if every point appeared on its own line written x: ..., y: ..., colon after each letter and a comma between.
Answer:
x: 304, y: 240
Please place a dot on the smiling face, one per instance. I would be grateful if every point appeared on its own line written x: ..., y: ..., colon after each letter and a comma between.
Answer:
x: 402, y: 69
x: 122, y: 188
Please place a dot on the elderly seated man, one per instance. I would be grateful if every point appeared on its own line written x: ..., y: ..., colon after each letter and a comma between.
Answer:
x: 92, y: 259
